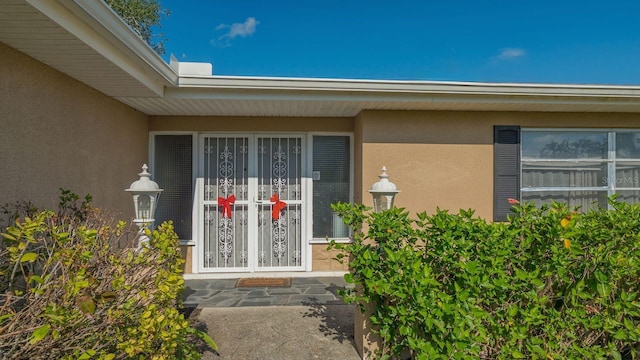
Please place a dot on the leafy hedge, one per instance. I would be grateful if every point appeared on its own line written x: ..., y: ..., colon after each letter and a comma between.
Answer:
x: 67, y: 292
x: 547, y: 284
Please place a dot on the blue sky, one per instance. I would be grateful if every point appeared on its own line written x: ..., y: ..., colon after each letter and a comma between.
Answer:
x: 541, y: 41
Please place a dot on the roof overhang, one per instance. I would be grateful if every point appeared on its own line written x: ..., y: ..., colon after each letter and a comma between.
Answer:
x: 244, y: 96
x: 89, y: 42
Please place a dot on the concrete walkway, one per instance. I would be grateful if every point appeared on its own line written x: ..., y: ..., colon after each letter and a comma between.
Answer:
x: 307, y: 320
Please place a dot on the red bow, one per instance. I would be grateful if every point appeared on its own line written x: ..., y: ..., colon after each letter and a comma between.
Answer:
x: 277, y: 207
x: 226, y: 205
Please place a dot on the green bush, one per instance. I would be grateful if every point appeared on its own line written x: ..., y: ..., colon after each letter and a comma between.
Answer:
x: 67, y: 292
x: 547, y: 284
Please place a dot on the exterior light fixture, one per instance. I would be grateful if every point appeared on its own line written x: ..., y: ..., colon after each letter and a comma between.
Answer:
x: 145, y: 198
x: 383, y: 192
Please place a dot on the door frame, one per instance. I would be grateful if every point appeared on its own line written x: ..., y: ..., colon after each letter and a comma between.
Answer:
x: 305, y: 183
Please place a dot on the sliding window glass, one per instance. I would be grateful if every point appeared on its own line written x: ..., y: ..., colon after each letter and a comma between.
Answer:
x: 331, y: 184
x: 579, y: 167
x: 627, y: 160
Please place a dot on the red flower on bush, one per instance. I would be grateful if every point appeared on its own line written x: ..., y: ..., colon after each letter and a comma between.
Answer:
x: 513, y: 201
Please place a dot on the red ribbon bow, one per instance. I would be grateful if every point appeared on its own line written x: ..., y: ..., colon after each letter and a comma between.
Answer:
x: 226, y: 205
x: 277, y: 207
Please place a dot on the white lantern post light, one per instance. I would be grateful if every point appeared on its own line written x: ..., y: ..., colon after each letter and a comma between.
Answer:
x: 383, y: 192
x: 145, y: 198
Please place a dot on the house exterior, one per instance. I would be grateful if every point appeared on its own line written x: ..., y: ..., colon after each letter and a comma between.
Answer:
x: 250, y: 165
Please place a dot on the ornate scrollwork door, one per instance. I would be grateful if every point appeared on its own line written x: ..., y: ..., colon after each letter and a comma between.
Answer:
x: 252, y: 203
x: 279, y: 199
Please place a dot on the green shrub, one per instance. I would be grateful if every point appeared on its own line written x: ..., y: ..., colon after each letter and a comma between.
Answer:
x: 66, y: 292
x: 547, y: 284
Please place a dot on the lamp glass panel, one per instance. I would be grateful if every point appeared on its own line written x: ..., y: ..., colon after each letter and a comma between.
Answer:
x: 379, y: 202
x: 390, y: 199
x: 144, y: 206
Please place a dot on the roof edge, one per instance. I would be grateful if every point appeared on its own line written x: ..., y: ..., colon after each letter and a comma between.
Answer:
x: 112, y: 22
x: 403, y: 86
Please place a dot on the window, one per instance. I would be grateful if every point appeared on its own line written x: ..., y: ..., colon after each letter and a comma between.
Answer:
x: 331, y: 184
x: 173, y: 172
x: 566, y: 166
x: 580, y: 167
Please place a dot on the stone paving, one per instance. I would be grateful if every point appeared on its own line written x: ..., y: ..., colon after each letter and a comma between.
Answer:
x: 224, y: 293
x: 307, y: 320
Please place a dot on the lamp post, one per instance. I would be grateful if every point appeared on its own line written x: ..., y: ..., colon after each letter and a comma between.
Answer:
x: 383, y: 192
x: 145, y: 198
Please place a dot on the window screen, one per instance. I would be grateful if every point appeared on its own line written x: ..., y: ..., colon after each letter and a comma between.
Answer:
x: 331, y: 184
x: 580, y: 167
x: 565, y: 166
x: 173, y: 173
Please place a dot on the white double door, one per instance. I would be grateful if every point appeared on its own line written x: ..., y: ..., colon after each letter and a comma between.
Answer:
x: 251, y: 202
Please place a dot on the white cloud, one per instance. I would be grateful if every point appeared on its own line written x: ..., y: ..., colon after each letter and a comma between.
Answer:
x: 511, y: 53
x: 247, y: 28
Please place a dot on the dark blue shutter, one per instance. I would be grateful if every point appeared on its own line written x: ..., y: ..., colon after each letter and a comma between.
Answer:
x: 506, y: 167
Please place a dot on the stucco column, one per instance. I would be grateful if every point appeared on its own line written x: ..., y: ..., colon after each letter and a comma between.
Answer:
x: 366, y: 341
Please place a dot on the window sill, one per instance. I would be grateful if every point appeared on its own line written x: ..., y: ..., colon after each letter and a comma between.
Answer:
x: 328, y: 241
x: 187, y: 243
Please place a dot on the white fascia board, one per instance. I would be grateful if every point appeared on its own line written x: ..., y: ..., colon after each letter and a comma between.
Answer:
x: 411, y: 87
x: 382, y: 98
x: 113, y: 23
x: 139, y: 60
x: 378, y: 90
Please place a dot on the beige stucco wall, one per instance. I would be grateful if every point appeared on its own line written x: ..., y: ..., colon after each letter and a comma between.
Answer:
x: 323, y: 259
x: 57, y: 132
x: 445, y: 158
x: 187, y: 255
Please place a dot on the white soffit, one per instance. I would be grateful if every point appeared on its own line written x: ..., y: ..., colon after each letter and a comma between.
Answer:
x: 245, y: 96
